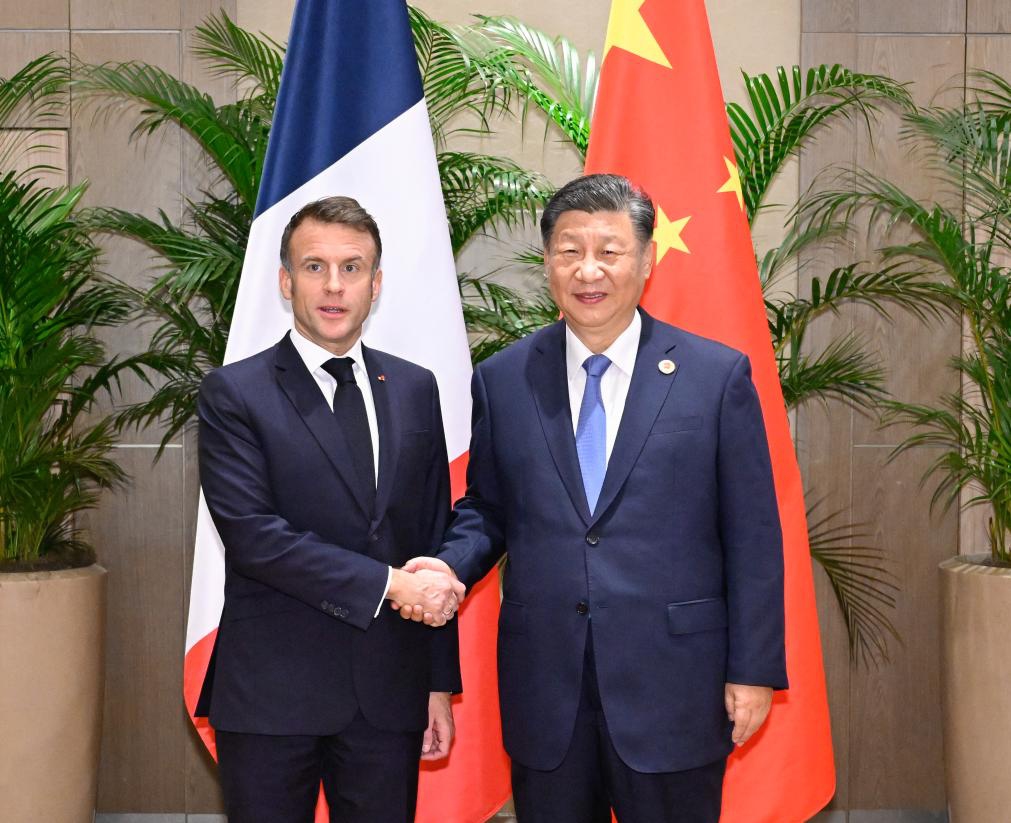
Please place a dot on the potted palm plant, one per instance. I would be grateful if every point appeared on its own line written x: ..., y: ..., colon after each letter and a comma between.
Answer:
x: 54, y: 461
x: 968, y: 246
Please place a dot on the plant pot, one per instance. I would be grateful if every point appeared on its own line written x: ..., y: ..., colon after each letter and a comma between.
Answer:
x: 52, y: 678
x: 976, y: 702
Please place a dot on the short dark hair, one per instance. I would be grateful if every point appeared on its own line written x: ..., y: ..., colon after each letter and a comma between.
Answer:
x: 345, y: 211
x: 601, y: 192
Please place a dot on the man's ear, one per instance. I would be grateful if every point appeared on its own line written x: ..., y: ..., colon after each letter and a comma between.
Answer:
x: 377, y: 281
x: 284, y: 282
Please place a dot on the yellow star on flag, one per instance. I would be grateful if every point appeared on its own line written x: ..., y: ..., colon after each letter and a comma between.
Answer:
x: 627, y: 30
x: 733, y: 182
x: 667, y: 234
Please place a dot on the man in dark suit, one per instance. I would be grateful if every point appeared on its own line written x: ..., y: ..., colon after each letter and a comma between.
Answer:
x: 323, y: 463
x: 623, y: 465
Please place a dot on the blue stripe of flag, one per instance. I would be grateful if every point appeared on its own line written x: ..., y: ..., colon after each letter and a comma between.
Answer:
x: 350, y: 69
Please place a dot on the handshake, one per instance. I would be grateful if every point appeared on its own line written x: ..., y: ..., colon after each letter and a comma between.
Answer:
x: 426, y: 590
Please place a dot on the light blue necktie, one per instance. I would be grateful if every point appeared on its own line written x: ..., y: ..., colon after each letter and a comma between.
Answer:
x: 591, y: 430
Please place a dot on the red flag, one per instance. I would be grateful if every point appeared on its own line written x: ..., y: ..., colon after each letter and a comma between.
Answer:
x: 660, y: 120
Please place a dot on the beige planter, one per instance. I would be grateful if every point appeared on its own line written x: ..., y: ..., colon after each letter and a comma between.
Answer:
x: 52, y: 664
x: 976, y: 679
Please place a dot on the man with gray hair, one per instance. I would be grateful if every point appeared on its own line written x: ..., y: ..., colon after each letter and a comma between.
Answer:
x: 622, y: 465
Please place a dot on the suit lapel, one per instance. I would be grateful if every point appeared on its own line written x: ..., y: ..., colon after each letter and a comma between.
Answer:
x: 385, y: 397
x: 646, y: 395
x: 550, y: 386
x: 303, y: 392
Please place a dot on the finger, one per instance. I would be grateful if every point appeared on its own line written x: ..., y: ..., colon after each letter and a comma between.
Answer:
x: 459, y: 589
x: 427, y: 740
x: 741, y: 719
x: 751, y: 728
x: 396, y: 606
x: 406, y: 612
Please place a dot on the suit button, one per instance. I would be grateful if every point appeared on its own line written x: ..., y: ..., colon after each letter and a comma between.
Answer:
x: 325, y: 605
x: 582, y: 608
x: 593, y: 538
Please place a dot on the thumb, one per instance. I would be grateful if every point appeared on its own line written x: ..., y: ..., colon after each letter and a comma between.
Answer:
x: 426, y: 741
x: 413, y: 565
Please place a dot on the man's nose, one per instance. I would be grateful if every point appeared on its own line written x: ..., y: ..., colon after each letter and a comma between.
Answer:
x: 334, y: 281
x: 589, y: 269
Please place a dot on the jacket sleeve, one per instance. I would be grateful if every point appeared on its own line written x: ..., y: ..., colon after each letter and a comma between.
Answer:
x: 476, y: 537
x: 445, y: 676
x: 751, y: 537
x: 259, y: 543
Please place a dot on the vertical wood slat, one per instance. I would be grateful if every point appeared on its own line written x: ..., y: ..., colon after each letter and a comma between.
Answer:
x: 138, y: 533
x: 34, y: 14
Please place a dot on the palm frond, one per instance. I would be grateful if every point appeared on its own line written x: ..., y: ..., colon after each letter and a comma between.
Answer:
x: 864, y: 587
x: 32, y: 98
x: 545, y: 72
x: 843, y: 370
x: 785, y: 111
x: 497, y: 315
x: 231, y: 51
x: 481, y: 192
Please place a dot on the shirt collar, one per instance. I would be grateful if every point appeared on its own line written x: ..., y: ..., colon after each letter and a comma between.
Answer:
x: 314, y: 356
x: 622, y: 352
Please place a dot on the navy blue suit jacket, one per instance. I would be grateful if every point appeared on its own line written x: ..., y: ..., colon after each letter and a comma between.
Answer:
x: 299, y: 650
x: 680, y: 567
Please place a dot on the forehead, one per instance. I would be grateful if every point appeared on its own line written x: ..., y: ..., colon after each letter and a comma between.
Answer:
x: 313, y: 238
x: 615, y: 225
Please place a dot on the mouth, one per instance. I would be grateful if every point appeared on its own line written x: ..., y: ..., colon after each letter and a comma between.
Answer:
x: 332, y: 311
x: 589, y: 298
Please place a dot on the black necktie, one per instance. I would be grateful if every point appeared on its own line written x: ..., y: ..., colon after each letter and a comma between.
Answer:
x: 349, y: 409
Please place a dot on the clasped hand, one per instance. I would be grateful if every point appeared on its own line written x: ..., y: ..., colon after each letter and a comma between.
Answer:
x: 426, y: 590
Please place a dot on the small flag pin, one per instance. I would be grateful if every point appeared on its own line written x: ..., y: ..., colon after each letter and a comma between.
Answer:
x: 666, y: 366
x: 381, y: 378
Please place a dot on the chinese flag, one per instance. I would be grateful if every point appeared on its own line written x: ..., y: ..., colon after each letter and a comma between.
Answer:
x: 660, y: 120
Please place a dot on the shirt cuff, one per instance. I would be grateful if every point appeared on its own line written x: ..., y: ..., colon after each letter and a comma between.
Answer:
x: 386, y: 591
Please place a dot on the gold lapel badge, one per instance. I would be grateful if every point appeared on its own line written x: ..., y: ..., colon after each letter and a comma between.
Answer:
x: 381, y: 378
x: 667, y: 366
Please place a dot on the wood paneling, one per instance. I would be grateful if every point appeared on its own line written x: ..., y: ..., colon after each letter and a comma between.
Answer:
x: 44, y: 153
x: 895, y: 732
x: 125, y: 15
x: 915, y: 354
x: 991, y: 16
x: 138, y: 534
x: 923, y: 16
x: 34, y: 14
x: 828, y: 15
x: 17, y: 48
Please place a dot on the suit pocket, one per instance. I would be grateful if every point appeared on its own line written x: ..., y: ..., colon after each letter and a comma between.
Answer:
x: 666, y: 425
x: 512, y: 618
x: 697, y: 616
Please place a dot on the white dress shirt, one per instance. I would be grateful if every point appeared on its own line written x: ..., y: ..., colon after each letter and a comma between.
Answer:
x: 314, y: 356
x: 613, y: 384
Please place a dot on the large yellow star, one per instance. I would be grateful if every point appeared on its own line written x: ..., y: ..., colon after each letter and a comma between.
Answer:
x: 733, y: 182
x: 667, y: 234
x: 627, y: 30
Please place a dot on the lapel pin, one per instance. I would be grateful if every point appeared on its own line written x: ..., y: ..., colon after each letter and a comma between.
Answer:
x: 381, y: 378
x: 667, y: 366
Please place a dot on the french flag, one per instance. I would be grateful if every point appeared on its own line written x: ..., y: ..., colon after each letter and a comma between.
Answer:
x: 351, y: 120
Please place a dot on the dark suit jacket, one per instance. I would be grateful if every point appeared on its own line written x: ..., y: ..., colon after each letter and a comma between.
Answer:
x: 298, y: 650
x: 680, y: 568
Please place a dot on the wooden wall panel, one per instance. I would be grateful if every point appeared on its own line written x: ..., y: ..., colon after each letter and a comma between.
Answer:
x: 34, y: 14
x: 828, y: 15
x: 916, y: 355
x: 992, y: 16
x: 17, y: 48
x: 923, y: 16
x: 823, y: 431
x: 895, y: 713
x: 138, y: 535
x: 124, y: 15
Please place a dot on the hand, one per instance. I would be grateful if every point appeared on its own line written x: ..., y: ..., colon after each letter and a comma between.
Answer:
x: 439, y: 734
x: 747, y: 707
x: 431, y: 594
